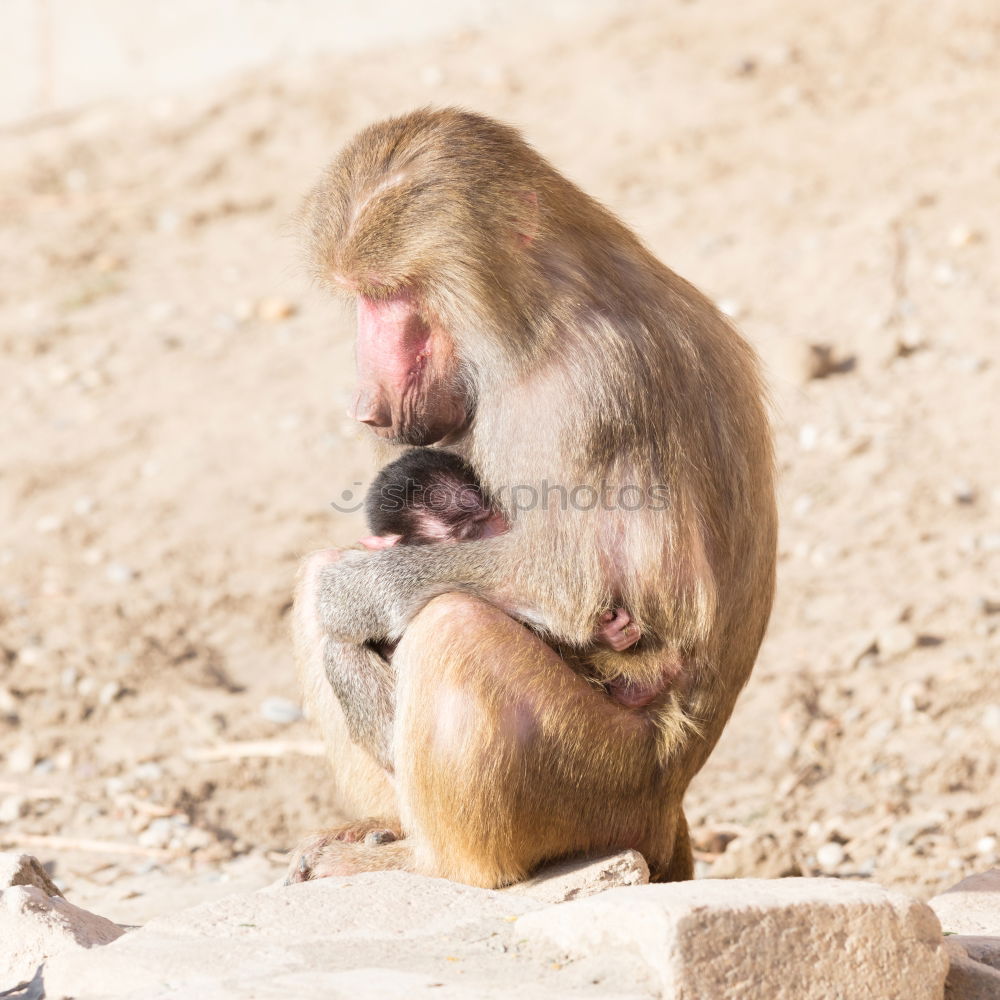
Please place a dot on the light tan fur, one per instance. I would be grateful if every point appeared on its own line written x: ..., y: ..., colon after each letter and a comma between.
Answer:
x: 583, y: 360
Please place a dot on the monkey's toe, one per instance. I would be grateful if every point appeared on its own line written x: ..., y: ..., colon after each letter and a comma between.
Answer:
x: 374, y: 838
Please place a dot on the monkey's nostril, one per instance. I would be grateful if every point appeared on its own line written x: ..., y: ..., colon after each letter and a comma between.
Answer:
x: 370, y: 409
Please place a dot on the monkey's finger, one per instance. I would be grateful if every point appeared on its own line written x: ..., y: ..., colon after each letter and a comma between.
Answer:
x: 377, y: 542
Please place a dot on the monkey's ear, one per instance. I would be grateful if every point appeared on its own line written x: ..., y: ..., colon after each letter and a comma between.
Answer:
x: 527, y: 221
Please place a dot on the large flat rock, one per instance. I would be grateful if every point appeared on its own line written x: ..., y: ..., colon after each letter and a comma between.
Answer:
x: 386, y: 934
x: 391, y: 935
x: 784, y: 939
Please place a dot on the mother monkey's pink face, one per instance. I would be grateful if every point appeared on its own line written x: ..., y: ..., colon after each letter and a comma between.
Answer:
x: 409, y: 390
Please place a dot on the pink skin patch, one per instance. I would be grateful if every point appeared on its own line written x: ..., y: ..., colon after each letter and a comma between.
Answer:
x: 393, y: 348
x: 631, y: 694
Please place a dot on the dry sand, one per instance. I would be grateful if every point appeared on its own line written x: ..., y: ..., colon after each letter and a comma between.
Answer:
x: 173, y: 434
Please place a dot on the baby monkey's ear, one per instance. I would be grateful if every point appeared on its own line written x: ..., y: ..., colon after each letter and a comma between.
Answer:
x: 376, y: 542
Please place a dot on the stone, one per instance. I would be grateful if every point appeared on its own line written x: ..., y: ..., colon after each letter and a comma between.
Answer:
x: 972, y: 906
x: 377, y: 935
x: 969, y: 979
x: 579, y: 878
x: 979, y: 948
x: 35, y: 926
x: 281, y: 711
x: 275, y: 309
x: 761, y: 855
x: 830, y: 856
x: 789, y: 939
x: 23, y: 869
x: 896, y: 640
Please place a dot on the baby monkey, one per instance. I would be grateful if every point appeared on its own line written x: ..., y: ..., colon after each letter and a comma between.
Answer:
x: 432, y: 496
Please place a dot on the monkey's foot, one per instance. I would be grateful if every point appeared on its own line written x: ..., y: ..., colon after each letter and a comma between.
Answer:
x: 347, y: 850
x: 363, y: 829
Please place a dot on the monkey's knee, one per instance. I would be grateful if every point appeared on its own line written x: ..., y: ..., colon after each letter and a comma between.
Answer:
x: 455, y: 614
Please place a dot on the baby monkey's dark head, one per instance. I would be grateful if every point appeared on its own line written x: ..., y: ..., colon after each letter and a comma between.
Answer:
x: 429, y: 495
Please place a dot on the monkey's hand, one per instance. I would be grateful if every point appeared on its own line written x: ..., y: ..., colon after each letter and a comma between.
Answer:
x: 617, y: 631
x: 375, y: 543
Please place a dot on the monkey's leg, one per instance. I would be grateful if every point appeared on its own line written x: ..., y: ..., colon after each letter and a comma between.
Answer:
x: 363, y: 787
x: 365, y: 685
x: 506, y: 758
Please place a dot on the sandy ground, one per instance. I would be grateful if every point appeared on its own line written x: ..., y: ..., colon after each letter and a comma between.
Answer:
x: 172, y: 426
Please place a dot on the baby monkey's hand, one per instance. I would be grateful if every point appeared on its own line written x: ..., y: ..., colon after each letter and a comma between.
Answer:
x: 376, y: 543
x: 617, y: 631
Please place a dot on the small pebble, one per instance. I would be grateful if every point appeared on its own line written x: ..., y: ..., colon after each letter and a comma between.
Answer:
x: 896, y: 640
x: 962, y: 491
x: 910, y: 340
x: 8, y: 702
x: 273, y: 309
x: 30, y: 656
x: 197, y: 838
x: 914, y: 698
x: 60, y: 375
x: 119, y: 573
x: 12, y: 808
x: 943, y: 275
x: 802, y: 505
x: 830, y: 856
x: 168, y: 221
x: 109, y: 692
x: 281, y: 711
x: 21, y: 758
x: 963, y: 236
x: 47, y: 524
x: 159, y: 833
x: 243, y: 310
x: 808, y: 437
x: 986, y: 845
x: 83, y: 506
x: 147, y: 771
x: 161, y: 312
x: 990, y: 542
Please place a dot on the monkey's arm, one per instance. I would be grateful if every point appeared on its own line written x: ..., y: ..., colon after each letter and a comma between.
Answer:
x: 371, y: 597
x: 365, y: 685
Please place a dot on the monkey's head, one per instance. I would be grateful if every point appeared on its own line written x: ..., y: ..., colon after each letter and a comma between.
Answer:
x: 429, y: 223
x: 429, y: 495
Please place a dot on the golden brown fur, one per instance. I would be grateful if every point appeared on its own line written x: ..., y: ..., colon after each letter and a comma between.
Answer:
x: 579, y: 359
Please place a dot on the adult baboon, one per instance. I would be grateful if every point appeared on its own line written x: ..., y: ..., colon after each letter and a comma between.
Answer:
x: 504, y: 314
